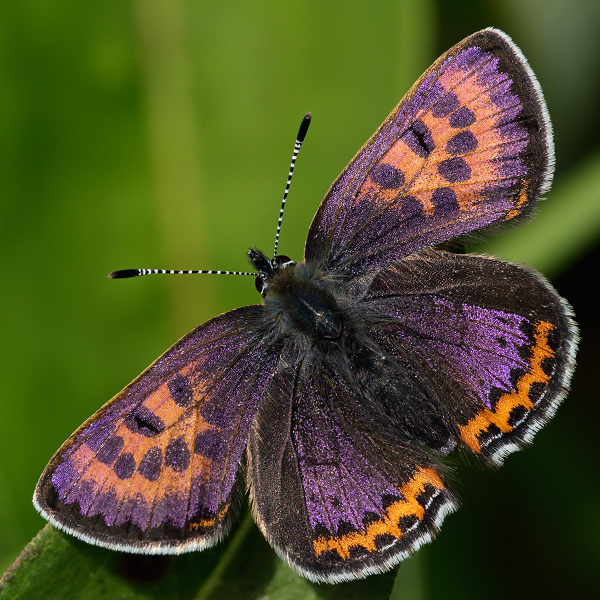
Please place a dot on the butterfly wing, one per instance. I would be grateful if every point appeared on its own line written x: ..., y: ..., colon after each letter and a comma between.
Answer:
x: 468, y: 147
x: 154, y: 470
x: 494, y: 342
x: 338, y: 497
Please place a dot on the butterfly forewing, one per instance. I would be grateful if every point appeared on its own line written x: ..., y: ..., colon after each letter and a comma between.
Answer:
x: 468, y: 147
x: 154, y: 470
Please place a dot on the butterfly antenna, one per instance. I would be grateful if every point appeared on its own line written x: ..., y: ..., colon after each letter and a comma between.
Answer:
x: 299, y: 139
x: 125, y: 273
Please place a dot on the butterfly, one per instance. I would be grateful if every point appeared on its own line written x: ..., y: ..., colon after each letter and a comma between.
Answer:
x: 337, y: 399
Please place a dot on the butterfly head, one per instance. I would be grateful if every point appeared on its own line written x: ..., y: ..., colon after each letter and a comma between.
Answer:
x: 267, y: 269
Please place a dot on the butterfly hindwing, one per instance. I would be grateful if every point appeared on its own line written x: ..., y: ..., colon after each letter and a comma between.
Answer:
x: 468, y: 147
x: 338, y: 498
x: 154, y: 470
x: 493, y: 337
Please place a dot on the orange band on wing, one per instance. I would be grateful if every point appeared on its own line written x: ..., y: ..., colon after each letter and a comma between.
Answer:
x: 501, y: 414
x: 388, y: 524
x: 161, y: 404
x: 204, y: 523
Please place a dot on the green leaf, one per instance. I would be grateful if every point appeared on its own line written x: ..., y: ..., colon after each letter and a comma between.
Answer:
x: 56, y: 565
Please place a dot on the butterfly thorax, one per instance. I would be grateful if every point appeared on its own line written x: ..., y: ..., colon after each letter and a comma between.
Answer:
x: 301, y: 301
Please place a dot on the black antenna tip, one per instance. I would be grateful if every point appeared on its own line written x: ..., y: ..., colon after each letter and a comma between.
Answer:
x: 304, y: 126
x: 124, y: 273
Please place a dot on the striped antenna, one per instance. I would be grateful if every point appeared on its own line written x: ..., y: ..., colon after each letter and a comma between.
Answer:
x: 125, y: 273
x: 299, y: 139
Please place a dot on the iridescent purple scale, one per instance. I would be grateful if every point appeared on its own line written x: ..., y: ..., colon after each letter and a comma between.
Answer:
x: 341, y: 485
x: 481, y: 346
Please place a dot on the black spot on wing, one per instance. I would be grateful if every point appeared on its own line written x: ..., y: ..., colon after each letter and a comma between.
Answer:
x: 210, y: 444
x: 177, y: 455
x: 462, y: 117
x: 181, y: 390
x: 418, y: 138
x: 445, y: 105
x: 387, y: 176
x: 454, y: 170
x: 110, y: 450
x: 444, y: 199
x: 151, y: 464
x: 143, y: 422
x: 461, y: 143
x: 125, y: 466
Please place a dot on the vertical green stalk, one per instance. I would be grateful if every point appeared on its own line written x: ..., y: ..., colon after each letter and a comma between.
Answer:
x: 417, y: 37
x: 233, y: 545
x: 174, y: 145
x: 411, y: 581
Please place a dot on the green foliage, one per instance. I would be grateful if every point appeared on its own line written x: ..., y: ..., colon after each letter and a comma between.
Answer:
x: 55, y: 565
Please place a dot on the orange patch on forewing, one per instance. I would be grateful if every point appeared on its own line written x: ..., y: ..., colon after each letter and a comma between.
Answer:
x: 104, y: 479
x: 161, y: 404
x: 203, y: 523
x: 523, y: 197
x: 188, y: 425
x: 400, y: 156
x: 82, y: 457
x: 369, y: 189
x: 421, y: 174
x: 172, y: 481
x: 203, y: 468
x: 124, y: 489
x: 520, y: 397
x: 388, y: 524
x: 91, y: 470
x: 480, y: 161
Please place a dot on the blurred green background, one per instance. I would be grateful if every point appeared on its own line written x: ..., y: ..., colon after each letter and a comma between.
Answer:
x: 158, y: 133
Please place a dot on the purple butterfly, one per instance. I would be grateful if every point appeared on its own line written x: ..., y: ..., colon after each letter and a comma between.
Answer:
x: 366, y: 363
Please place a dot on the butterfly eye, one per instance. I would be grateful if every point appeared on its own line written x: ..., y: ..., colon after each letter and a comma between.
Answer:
x: 259, y: 282
x: 281, y: 261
